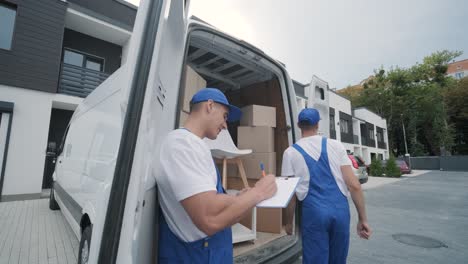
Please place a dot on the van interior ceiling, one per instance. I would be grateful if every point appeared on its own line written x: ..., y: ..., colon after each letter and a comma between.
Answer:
x: 246, y: 78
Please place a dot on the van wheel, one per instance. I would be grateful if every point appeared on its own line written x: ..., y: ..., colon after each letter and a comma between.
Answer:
x: 85, y: 243
x: 53, y: 205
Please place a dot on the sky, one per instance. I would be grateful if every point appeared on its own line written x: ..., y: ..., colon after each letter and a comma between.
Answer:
x: 342, y: 41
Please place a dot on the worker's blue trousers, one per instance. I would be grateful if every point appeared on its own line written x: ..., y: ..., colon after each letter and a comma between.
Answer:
x: 325, y: 214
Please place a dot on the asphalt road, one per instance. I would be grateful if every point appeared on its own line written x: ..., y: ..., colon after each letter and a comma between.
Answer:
x: 429, y: 211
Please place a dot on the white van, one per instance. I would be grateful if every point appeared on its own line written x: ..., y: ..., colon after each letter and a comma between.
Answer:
x: 104, y: 182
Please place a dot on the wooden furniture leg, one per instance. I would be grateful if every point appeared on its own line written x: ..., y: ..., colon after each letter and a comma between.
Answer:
x: 225, y: 174
x: 240, y: 166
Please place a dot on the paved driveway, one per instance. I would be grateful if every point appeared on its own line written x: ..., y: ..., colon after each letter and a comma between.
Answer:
x: 31, y: 233
x: 433, y: 205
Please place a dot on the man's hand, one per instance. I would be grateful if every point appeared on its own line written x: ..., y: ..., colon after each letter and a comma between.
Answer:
x: 243, y: 191
x: 266, y: 187
x: 363, y: 230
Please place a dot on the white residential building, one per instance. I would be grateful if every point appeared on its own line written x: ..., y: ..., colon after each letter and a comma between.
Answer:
x: 52, y: 54
x: 361, y: 131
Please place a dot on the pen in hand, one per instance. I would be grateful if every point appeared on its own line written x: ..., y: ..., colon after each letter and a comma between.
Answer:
x: 263, y: 169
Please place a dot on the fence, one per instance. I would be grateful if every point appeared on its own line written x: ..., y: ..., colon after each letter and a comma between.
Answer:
x: 449, y: 163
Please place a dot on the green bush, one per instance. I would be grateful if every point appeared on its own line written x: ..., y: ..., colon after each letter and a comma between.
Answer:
x: 376, y: 168
x: 392, y: 169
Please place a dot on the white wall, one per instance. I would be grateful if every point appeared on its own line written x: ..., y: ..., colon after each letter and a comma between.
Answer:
x: 370, y: 117
x: 348, y: 147
x: 125, y: 52
x: 340, y: 103
x: 301, y: 103
x: 28, y: 139
x: 375, y: 119
x: 322, y: 105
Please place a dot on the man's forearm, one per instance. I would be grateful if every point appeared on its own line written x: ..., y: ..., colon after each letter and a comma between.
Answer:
x: 358, y: 199
x: 212, y: 212
x: 238, y: 208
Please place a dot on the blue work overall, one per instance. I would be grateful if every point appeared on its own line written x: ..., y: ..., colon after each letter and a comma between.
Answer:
x: 325, y: 214
x: 213, y: 249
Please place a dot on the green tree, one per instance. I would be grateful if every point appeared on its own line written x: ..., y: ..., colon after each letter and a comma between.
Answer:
x: 391, y: 168
x: 376, y: 168
x: 418, y: 99
x: 455, y: 97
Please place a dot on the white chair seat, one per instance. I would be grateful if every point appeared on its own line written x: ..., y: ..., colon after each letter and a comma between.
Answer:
x: 224, y: 148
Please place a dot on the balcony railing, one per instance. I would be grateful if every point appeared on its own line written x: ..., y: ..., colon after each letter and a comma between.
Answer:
x: 382, y: 145
x: 356, y: 139
x: 333, y: 134
x: 79, y: 81
x: 371, y: 143
x: 363, y: 141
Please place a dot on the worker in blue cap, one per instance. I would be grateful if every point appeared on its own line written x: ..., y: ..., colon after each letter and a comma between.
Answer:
x: 327, y: 179
x: 197, y: 215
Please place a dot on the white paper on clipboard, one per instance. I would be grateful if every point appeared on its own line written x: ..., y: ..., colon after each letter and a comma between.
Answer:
x: 286, y: 189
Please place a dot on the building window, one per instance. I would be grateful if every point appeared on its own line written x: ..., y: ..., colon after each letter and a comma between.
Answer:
x: 332, y: 122
x: 7, y: 25
x: 344, y: 126
x: 319, y: 93
x: 459, y: 75
x: 371, y: 134
x: 379, y: 136
x: 83, y: 60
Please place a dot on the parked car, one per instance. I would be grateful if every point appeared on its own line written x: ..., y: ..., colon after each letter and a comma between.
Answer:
x: 359, y: 168
x: 404, y: 168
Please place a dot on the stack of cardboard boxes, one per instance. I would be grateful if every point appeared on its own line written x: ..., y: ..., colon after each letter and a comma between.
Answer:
x: 191, y: 84
x: 256, y: 132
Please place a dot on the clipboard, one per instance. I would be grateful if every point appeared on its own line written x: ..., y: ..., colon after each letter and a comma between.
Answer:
x: 286, y: 189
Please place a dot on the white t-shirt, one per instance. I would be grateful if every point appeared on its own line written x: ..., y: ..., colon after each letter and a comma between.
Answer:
x: 186, y: 168
x: 294, y: 163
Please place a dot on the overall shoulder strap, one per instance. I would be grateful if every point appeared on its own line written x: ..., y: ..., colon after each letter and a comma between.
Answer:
x: 219, y: 183
x: 301, y: 150
x: 324, y: 146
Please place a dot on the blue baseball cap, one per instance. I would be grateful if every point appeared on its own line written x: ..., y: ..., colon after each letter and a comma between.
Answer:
x: 217, y: 96
x: 309, y: 115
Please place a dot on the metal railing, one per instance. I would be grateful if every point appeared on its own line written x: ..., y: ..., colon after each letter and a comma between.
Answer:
x: 382, y: 145
x: 333, y: 134
x: 78, y: 81
x: 363, y: 141
x: 356, y: 139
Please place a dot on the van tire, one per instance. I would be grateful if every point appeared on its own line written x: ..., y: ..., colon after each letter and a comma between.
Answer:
x: 53, y: 205
x: 85, y: 243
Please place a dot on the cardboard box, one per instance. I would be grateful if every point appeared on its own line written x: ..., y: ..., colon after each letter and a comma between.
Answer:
x: 269, y: 220
x: 192, y: 83
x: 235, y: 183
x: 258, y: 115
x: 252, y: 164
x: 258, y: 139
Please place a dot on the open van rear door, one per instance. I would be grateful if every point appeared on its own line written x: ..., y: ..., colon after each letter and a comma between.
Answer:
x: 149, y: 99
